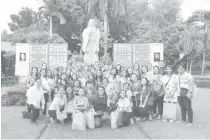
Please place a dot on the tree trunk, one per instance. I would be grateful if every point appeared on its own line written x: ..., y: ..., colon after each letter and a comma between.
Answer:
x: 203, y: 63
x: 191, y: 62
x: 187, y: 64
x: 105, y: 27
x: 205, y: 45
x: 51, y: 24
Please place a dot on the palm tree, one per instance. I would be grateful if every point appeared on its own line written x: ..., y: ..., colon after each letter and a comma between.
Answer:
x: 191, y: 44
x: 46, y: 13
x: 202, y: 18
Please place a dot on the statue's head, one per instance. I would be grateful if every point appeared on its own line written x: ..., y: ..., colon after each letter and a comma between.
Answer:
x: 91, y: 23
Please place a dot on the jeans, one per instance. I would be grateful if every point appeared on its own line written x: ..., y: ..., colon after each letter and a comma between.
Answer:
x: 46, y: 98
x: 158, y: 103
x: 185, y: 105
x: 34, y: 111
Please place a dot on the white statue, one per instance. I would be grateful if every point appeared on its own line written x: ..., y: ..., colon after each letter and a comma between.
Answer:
x: 90, y: 46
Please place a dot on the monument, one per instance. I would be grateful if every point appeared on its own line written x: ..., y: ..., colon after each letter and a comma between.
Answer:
x: 90, y: 46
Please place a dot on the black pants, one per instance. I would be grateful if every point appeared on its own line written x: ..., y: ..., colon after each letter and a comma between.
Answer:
x: 46, y: 98
x: 34, y: 111
x: 185, y: 105
x: 144, y: 112
x: 158, y: 103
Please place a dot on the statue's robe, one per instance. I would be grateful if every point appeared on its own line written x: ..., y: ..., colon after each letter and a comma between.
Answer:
x: 91, y: 37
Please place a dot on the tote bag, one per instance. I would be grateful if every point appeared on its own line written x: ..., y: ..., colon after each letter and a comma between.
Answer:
x: 79, y: 122
x: 89, y: 118
x: 114, y: 117
x: 169, y: 111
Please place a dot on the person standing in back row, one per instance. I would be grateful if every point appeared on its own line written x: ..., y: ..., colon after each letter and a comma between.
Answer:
x: 186, y: 91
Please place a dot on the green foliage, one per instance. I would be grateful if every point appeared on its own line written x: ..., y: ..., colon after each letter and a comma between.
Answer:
x: 31, y: 35
x: 23, y: 19
x: 13, y: 98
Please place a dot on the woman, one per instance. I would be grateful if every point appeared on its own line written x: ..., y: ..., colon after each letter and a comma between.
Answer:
x: 92, y: 79
x: 44, y: 66
x: 114, y: 80
x: 51, y: 83
x: 58, y: 107
x: 144, y: 72
x: 158, y: 93
x: 99, y: 77
x: 124, y: 109
x: 60, y: 71
x: 91, y: 93
x: 170, y: 99
x: 33, y: 77
x: 105, y: 70
x: 186, y: 91
x: 101, y: 100
x: 68, y: 77
x: 119, y: 68
x: 86, y: 71
x: 100, y: 106
x: 124, y: 78
x: 146, y: 101
x: 130, y: 72
x: 70, y: 100
x: 136, y: 90
x: 46, y: 88
x: 76, y: 87
x: 55, y: 75
x: 136, y: 69
x: 82, y: 79
x: 74, y: 77
x: 63, y: 82
x: 80, y: 105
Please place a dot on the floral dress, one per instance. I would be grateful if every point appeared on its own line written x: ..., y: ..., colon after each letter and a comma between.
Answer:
x: 170, y: 87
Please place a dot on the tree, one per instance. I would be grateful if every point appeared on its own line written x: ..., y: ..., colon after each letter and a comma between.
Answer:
x: 23, y: 19
x: 202, y: 17
x: 191, y: 44
x: 46, y: 12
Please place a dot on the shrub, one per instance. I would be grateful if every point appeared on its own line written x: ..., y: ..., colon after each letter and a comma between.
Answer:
x: 14, y: 98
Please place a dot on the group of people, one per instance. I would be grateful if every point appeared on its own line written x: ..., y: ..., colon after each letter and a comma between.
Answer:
x: 85, y: 93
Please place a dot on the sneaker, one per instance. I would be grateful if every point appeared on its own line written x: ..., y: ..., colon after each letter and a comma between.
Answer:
x: 143, y: 119
x: 189, y: 124
x: 52, y: 121
x: 150, y: 118
x: 159, y: 117
x: 171, y: 121
x: 164, y: 120
x: 138, y: 119
x: 154, y: 115
x: 131, y: 121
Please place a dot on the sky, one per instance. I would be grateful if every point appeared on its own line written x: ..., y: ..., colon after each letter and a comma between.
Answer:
x: 8, y: 7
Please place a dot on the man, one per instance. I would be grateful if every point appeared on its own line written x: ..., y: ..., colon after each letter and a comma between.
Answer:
x: 22, y: 57
x: 186, y: 91
x: 157, y: 57
x: 35, y: 96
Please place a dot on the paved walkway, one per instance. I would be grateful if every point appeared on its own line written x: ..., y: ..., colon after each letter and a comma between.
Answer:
x: 13, y: 126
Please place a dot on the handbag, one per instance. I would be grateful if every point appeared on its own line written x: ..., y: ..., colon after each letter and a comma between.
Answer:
x: 78, y: 122
x: 89, y: 118
x: 183, y: 91
x: 157, y: 87
x: 169, y: 111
